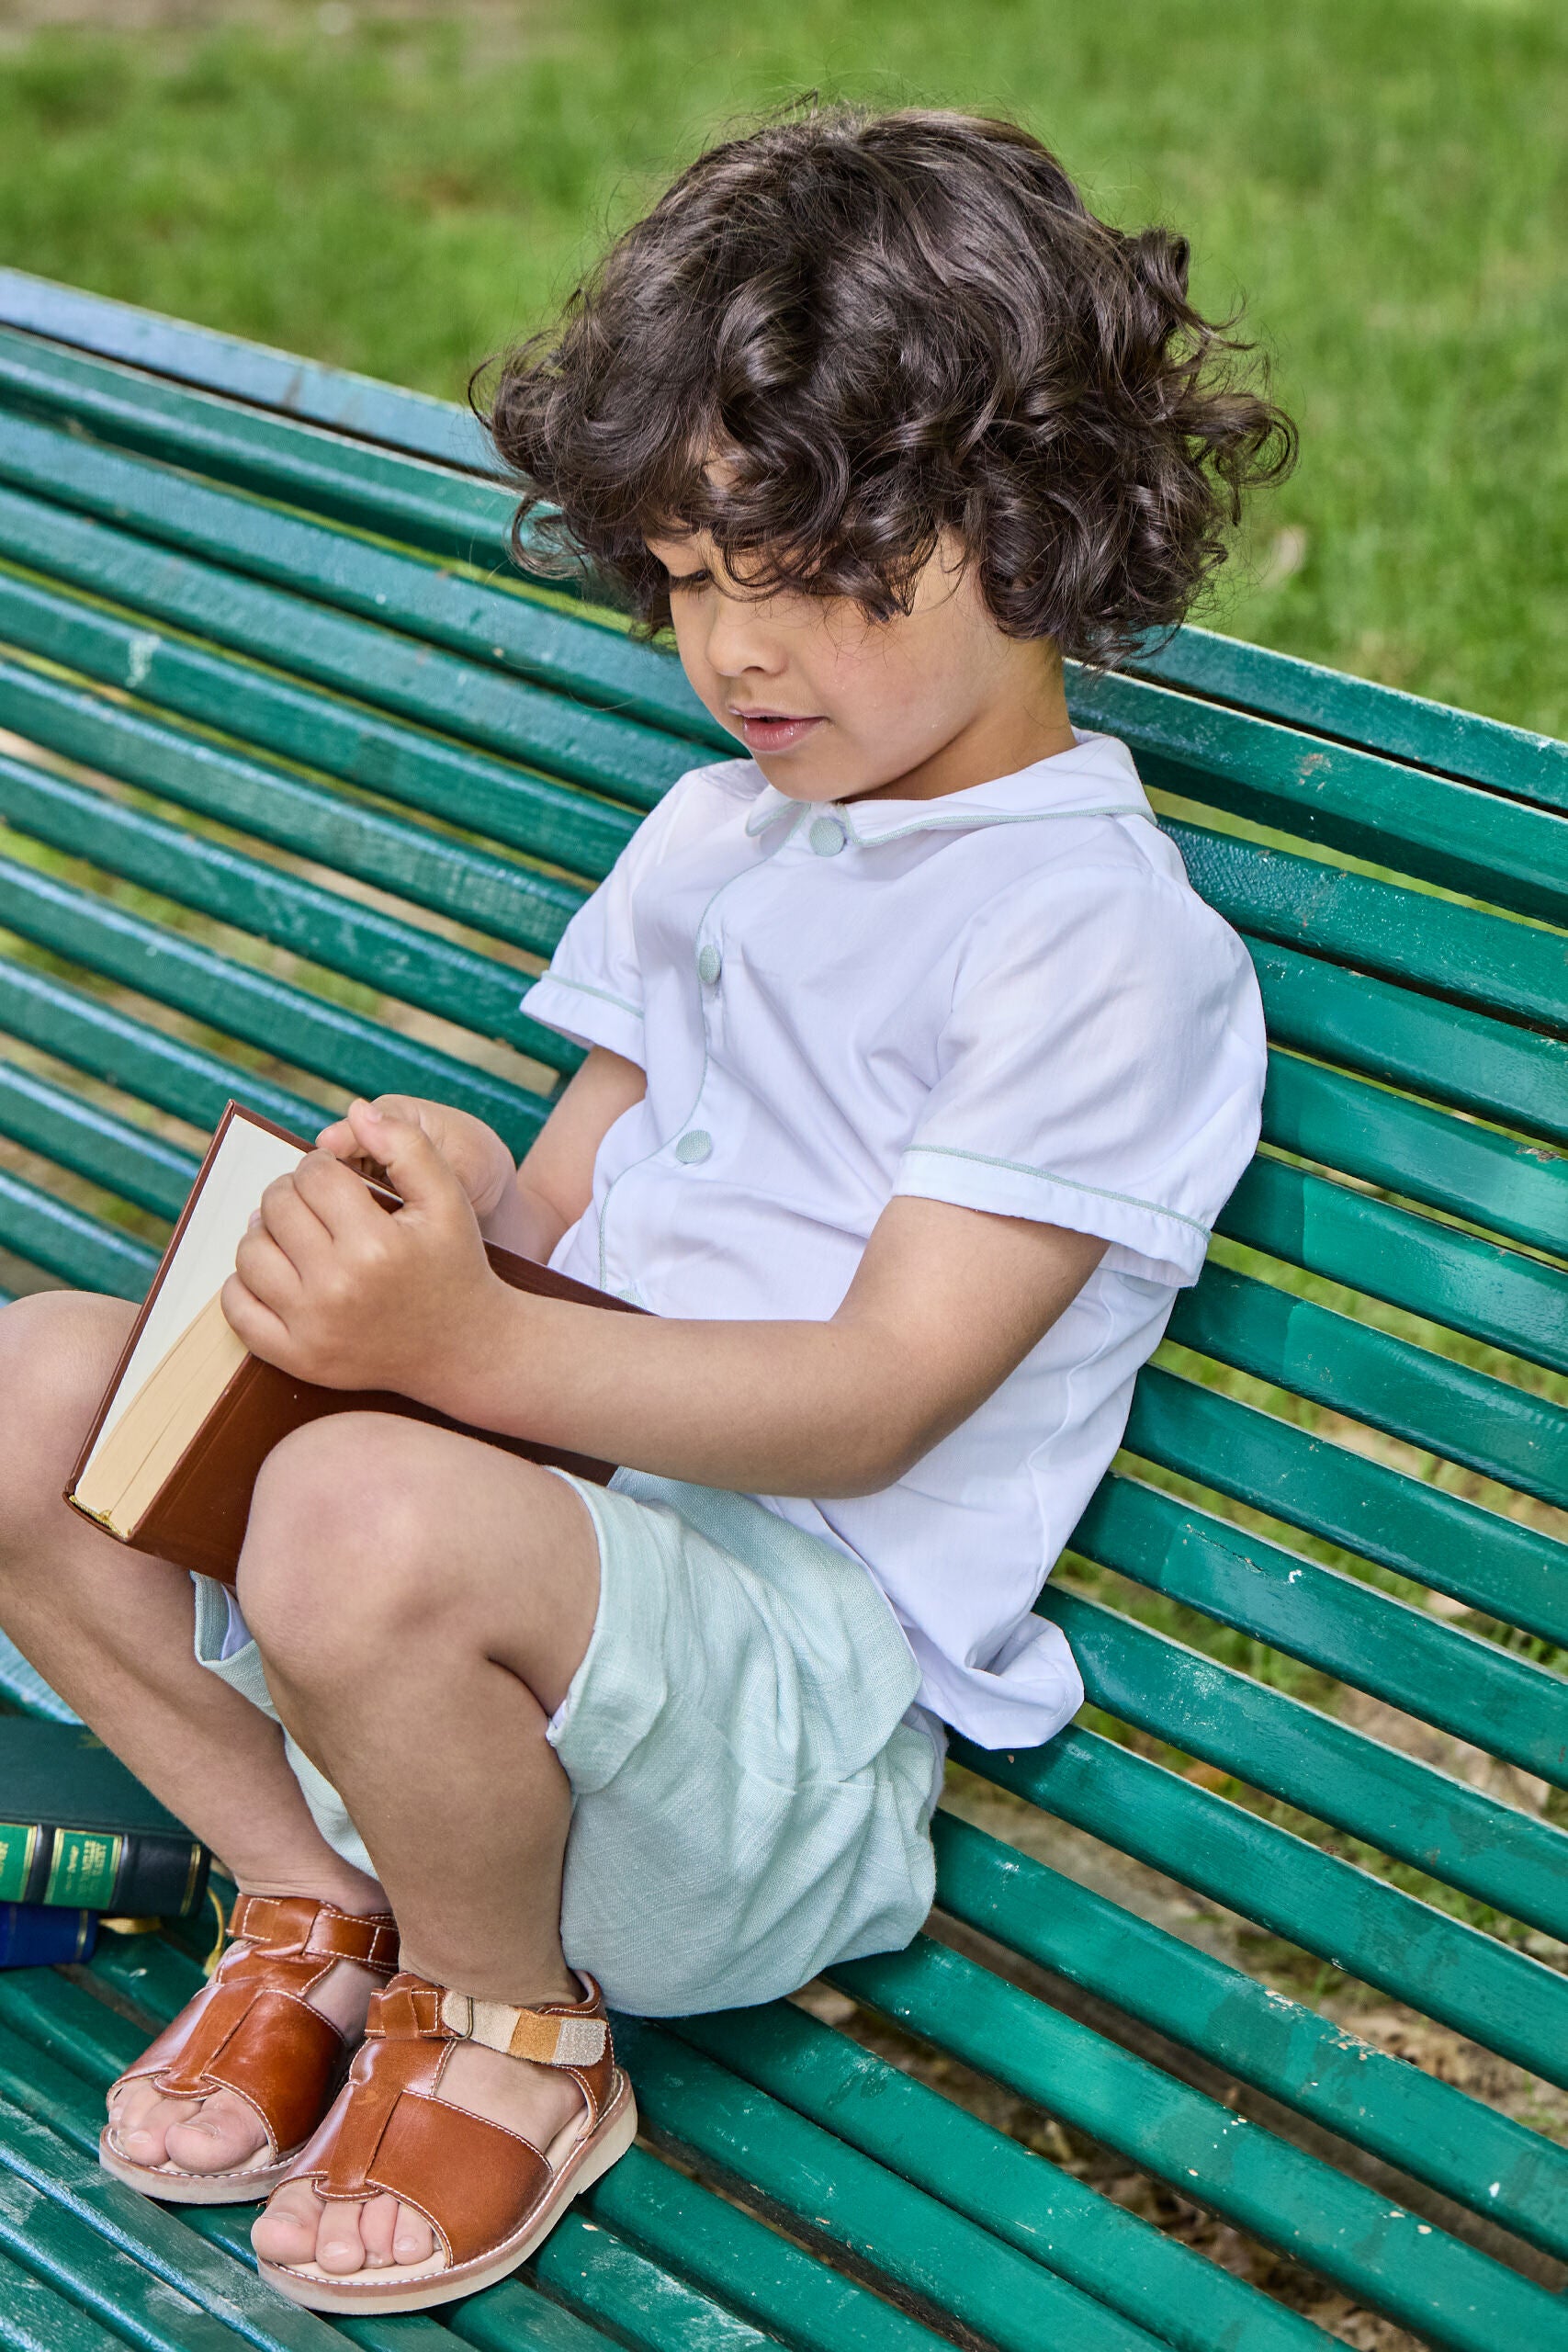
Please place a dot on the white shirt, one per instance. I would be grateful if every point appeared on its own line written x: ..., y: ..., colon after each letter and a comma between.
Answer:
x: 1011, y: 999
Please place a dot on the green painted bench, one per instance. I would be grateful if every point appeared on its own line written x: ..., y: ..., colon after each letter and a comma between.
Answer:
x: 298, y: 778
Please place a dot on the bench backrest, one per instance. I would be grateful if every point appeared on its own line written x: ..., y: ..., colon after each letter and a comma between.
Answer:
x: 302, y: 779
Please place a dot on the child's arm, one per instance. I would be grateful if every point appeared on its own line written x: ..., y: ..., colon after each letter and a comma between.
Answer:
x: 555, y: 1184
x: 527, y: 1208
x: 945, y: 1303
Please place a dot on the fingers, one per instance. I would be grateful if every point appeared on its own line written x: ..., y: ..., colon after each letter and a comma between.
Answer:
x: 416, y: 1169
x: 257, y: 1327
x: 339, y: 1138
x: 336, y: 1196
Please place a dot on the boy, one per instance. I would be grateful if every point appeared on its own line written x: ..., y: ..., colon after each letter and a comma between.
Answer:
x: 916, y: 1076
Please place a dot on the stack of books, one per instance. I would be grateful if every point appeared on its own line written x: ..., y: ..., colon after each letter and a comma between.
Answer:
x: 81, y: 1839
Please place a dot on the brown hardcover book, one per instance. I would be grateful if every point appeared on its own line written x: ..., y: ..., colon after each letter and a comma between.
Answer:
x: 190, y: 1417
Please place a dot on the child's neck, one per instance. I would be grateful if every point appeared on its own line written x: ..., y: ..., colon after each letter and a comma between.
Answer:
x: 1011, y: 732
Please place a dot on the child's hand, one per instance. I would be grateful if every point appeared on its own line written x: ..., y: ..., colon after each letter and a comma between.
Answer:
x: 330, y: 1287
x: 474, y: 1153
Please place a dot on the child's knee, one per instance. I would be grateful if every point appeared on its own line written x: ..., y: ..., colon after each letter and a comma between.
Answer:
x: 57, y: 1351
x: 340, y: 1530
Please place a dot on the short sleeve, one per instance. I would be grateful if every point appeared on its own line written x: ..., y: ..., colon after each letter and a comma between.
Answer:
x: 593, y: 991
x: 1101, y: 1069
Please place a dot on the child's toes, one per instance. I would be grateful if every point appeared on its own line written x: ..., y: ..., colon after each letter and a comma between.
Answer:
x: 414, y: 2239
x: 378, y: 2223
x: 221, y: 2134
x: 287, y: 2230
x: 339, y: 2246
x: 143, y: 2120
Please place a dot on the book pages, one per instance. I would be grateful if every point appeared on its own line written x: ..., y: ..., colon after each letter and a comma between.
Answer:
x: 247, y: 1160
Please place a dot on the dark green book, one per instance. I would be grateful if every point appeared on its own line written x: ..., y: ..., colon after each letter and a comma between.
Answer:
x: 77, y: 1829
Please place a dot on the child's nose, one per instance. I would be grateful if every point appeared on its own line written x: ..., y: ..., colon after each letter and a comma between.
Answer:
x: 740, y: 640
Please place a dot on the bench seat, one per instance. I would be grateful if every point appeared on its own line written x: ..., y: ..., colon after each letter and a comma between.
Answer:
x: 299, y: 781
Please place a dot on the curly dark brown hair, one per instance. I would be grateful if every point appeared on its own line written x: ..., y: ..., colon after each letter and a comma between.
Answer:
x: 889, y: 326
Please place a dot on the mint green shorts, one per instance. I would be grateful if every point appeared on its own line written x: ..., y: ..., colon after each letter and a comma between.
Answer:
x: 753, y: 1784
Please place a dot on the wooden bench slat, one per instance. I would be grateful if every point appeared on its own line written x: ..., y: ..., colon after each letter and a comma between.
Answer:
x: 399, y: 497
x: 919, y: 2244
x: 1471, y: 1285
x: 619, y: 756
x: 324, y: 1038
x: 1335, y: 795
x: 1115, y: 2256
x: 1414, y: 936
x: 1428, y: 2129
x: 1359, y: 1923
x: 1328, y: 702
x: 1441, y: 1050
x: 1377, y: 2252
x: 673, y: 2249
x: 82, y: 1250
x: 396, y: 958
x: 1014, y: 2193
x: 37, y: 2319
x: 351, y: 404
x: 1370, y: 1376
x: 924, y: 2244
x: 1516, y: 1189
x: 505, y: 802
x: 1504, y: 1569
x: 184, y: 1080
x: 498, y: 895
x: 1440, y: 1825
x: 1503, y: 1703
x: 494, y: 627
x: 93, y: 1143
x: 1468, y: 1282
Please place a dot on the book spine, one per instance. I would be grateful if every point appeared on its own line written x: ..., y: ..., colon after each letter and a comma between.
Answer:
x: 38, y: 1935
x: 139, y: 1873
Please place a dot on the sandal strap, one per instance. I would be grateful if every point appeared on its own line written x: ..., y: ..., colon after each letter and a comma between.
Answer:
x: 288, y: 1924
x: 556, y: 2035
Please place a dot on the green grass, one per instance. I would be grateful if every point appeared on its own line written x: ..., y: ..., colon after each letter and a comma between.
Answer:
x: 1385, y: 185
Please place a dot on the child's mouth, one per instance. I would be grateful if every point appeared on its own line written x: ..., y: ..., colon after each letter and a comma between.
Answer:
x: 772, y: 731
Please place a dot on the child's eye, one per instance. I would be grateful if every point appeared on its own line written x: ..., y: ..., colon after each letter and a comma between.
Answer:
x: 676, y: 581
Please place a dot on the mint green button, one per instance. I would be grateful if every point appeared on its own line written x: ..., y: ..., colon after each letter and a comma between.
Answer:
x: 825, y: 838
x: 694, y: 1147
x: 710, y: 963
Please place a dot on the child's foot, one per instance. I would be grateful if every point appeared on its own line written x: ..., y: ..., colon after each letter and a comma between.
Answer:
x: 465, y: 2130
x: 218, y: 2132
x: 298, y: 2226
x: 216, y: 2110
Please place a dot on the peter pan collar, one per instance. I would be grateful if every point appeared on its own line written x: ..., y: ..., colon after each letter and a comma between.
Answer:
x: 1096, y: 778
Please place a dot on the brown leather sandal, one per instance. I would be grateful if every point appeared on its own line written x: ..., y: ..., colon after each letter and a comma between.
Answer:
x: 251, y: 2030
x: 489, y: 2195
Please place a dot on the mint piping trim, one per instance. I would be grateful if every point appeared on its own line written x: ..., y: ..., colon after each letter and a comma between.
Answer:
x: 585, y: 987
x: 1047, y: 1176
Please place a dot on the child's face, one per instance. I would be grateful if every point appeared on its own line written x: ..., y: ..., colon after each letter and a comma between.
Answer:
x: 833, y: 706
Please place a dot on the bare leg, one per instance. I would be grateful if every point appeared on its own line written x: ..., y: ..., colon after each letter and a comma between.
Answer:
x: 111, y: 1631
x: 422, y: 1602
